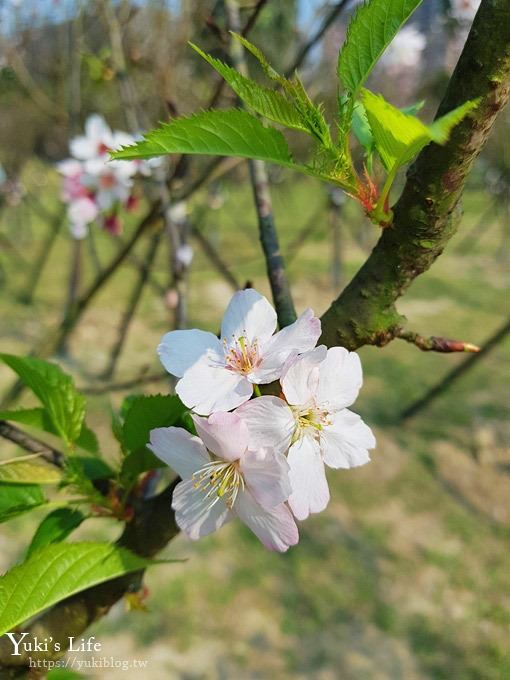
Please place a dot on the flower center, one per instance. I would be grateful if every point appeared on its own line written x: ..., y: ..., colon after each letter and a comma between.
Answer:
x: 309, y: 416
x: 242, y: 356
x: 219, y: 479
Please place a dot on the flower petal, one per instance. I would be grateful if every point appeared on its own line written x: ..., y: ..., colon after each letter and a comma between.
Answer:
x: 82, y: 148
x: 300, y: 336
x: 340, y: 378
x: 270, y: 421
x: 300, y: 380
x: 179, y: 449
x: 224, y: 434
x: 98, y: 130
x: 179, y: 350
x: 345, y: 443
x: 266, y: 474
x: 310, y: 491
x: 207, y: 388
x: 196, y: 514
x: 275, y: 528
x: 249, y: 314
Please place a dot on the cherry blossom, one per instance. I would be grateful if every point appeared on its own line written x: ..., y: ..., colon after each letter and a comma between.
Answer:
x: 314, y: 423
x: 93, y: 186
x: 222, y: 478
x: 219, y: 374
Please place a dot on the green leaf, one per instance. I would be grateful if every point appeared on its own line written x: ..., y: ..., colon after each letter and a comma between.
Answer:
x: 56, y: 391
x: 311, y: 115
x: 31, y: 471
x: 93, y: 468
x: 441, y: 128
x: 55, y: 528
x: 214, y: 133
x: 270, y: 72
x: 57, y: 572
x: 371, y: 30
x: 16, y: 499
x: 398, y: 137
x: 64, y: 674
x: 148, y: 412
x: 268, y: 103
x: 361, y: 127
x: 145, y: 413
x: 39, y: 418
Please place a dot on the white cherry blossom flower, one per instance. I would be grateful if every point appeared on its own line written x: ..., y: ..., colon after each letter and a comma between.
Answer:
x: 314, y: 422
x: 218, y: 375
x: 222, y: 478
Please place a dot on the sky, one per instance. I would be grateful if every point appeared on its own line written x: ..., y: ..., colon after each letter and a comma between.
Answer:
x: 42, y: 11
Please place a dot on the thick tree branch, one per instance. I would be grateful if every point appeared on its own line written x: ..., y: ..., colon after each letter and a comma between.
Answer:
x: 428, y: 212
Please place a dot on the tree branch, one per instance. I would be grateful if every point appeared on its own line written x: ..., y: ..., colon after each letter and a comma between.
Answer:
x: 275, y: 265
x: 457, y: 372
x: 428, y: 212
x: 436, y: 344
x: 152, y: 527
x: 31, y: 444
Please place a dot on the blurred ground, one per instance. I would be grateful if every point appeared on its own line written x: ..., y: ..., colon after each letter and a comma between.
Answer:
x: 405, y: 576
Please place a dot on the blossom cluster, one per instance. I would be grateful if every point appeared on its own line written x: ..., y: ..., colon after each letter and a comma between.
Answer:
x: 94, y: 187
x: 259, y: 457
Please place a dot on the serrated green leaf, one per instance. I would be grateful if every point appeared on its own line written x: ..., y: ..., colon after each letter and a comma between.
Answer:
x: 39, y: 418
x: 266, y: 102
x: 441, y: 128
x: 310, y: 115
x: 57, y: 572
x: 55, y: 528
x: 16, y: 499
x: 215, y: 133
x: 145, y: 413
x: 397, y: 136
x: 259, y: 56
x: 371, y: 30
x: 32, y: 471
x: 56, y: 391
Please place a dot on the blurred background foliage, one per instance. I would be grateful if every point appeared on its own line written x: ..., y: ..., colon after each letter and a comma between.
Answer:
x: 406, y: 574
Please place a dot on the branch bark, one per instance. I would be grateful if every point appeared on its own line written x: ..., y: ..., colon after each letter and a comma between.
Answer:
x: 31, y: 444
x: 428, y: 211
x: 275, y: 265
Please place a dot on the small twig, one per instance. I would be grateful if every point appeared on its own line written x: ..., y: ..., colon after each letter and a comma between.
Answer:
x: 132, y: 305
x: 125, y: 385
x: 456, y: 373
x: 334, y: 13
x: 250, y: 23
x: 275, y: 265
x: 31, y: 444
x: 215, y: 257
x: 436, y: 344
